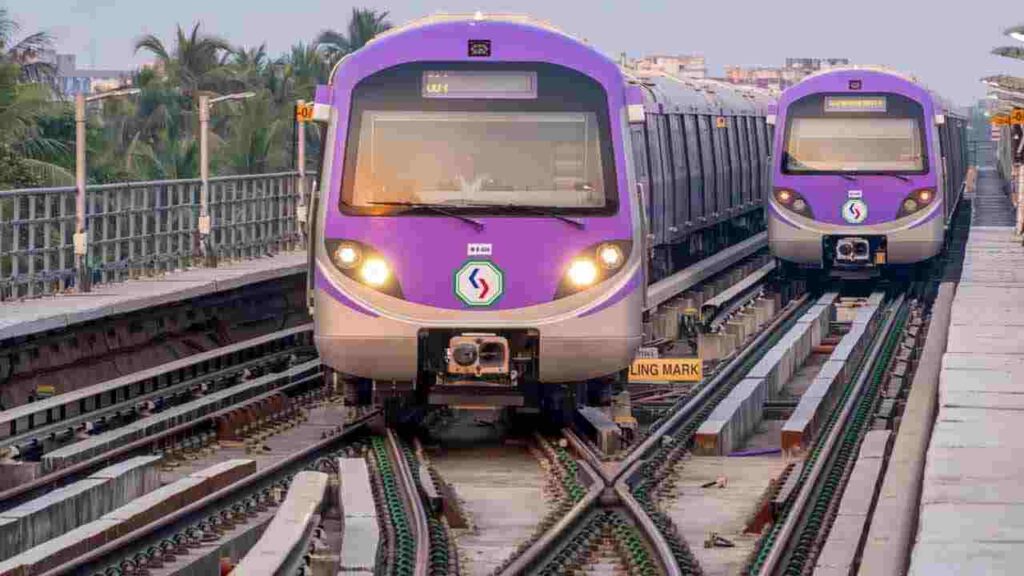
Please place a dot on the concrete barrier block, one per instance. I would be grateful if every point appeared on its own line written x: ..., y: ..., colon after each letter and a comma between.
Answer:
x: 713, y: 346
x: 359, y: 545
x: 131, y: 478
x: 356, y: 493
x: 226, y: 473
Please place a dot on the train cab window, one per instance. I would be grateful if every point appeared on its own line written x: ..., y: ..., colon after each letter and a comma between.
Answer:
x: 885, y: 135
x: 410, y: 149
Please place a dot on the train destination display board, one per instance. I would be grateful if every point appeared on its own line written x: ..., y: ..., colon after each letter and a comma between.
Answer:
x: 497, y: 84
x: 855, y: 104
x: 666, y: 370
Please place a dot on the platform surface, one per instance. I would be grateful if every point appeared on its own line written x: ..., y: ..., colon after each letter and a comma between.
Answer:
x: 972, y: 502
x: 28, y: 317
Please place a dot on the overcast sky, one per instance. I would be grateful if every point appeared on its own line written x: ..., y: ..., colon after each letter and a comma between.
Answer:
x: 946, y: 43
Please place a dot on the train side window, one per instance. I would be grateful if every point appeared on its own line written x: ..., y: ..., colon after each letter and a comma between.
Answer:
x: 744, y: 154
x: 656, y: 161
x: 708, y: 161
x: 690, y: 134
x: 722, y: 180
x: 755, y: 159
x: 680, y: 171
x: 735, y: 161
x: 640, y: 159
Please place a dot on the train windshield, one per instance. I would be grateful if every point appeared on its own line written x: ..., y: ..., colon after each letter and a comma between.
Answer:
x: 549, y: 159
x: 865, y: 134
x: 485, y: 139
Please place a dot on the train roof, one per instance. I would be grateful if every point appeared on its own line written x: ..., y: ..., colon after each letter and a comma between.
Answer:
x: 939, y: 101
x: 444, y: 17
x: 668, y: 93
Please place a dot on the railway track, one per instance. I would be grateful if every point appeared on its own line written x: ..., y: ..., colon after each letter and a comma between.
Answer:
x: 593, y: 514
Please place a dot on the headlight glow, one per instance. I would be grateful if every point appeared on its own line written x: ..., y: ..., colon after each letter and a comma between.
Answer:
x: 375, y: 272
x: 793, y: 201
x: 347, y: 255
x: 582, y: 272
x: 610, y: 256
x: 915, y: 202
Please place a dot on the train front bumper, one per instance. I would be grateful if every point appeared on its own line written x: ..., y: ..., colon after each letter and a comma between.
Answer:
x: 907, y: 241
x: 383, y: 348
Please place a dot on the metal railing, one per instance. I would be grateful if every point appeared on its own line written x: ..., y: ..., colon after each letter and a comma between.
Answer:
x: 140, y: 229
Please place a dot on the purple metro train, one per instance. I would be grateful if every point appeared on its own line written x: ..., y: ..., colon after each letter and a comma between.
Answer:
x: 870, y: 169
x: 481, y: 234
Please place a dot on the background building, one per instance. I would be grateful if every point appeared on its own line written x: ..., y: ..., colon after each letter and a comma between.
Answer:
x: 683, y: 66
x: 794, y: 70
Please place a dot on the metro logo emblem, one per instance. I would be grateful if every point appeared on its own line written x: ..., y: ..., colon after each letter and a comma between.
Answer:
x: 479, y: 283
x: 855, y: 211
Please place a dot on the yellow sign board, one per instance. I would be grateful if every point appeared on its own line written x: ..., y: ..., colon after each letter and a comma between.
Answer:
x: 304, y: 112
x: 1017, y: 116
x: 45, y: 390
x: 666, y: 370
x: 1001, y: 120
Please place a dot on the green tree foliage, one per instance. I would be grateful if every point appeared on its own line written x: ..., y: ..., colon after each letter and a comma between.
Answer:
x: 154, y: 135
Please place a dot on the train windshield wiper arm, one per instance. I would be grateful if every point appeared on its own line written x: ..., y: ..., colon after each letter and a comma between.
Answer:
x: 849, y: 177
x: 900, y: 176
x: 541, y: 210
x: 437, y: 209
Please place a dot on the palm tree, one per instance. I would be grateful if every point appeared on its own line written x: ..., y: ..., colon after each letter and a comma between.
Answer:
x: 363, y: 26
x: 194, y: 61
x: 24, y: 53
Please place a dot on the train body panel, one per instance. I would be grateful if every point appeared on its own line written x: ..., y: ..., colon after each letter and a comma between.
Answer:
x: 870, y: 167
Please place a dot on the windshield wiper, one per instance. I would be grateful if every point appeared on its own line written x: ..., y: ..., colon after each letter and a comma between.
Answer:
x: 900, y: 176
x: 849, y: 177
x: 437, y: 209
x: 526, y: 208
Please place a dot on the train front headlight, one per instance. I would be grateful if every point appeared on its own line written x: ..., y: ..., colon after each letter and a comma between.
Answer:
x: 375, y: 272
x: 610, y: 255
x: 347, y: 255
x: 915, y: 202
x: 363, y: 264
x: 582, y: 272
x: 593, y: 265
x: 792, y: 201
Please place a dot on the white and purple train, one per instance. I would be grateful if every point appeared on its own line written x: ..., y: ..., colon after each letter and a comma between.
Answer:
x: 482, y: 238
x: 870, y: 169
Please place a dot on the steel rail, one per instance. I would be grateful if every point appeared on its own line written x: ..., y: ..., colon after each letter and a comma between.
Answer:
x: 668, y: 288
x: 716, y: 310
x: 27, y: 491
x: 188, y: 514
x: 823, y: 462
x: 543, y: 546
x: 662, y: 551
x: 694, y: 404
x: 415, y: 502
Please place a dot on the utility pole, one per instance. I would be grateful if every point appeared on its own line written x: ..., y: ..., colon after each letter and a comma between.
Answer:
x: 80, y: 240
